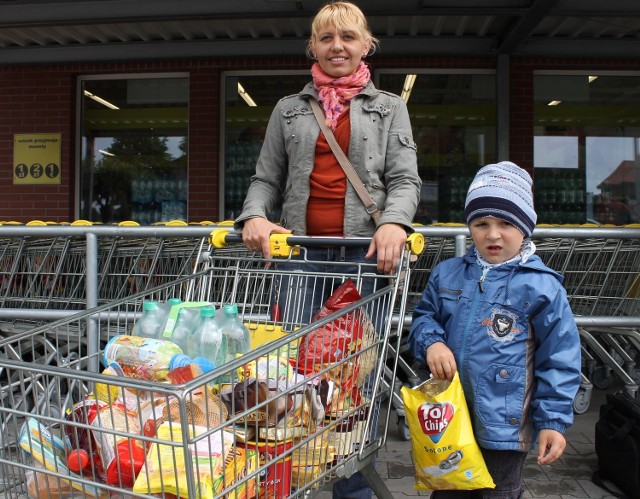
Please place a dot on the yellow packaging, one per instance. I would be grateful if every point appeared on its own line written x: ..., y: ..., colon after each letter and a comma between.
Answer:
x: 303, y: 475
x: 239, y: 463
x: 445, y: 453
x: 164, y: 470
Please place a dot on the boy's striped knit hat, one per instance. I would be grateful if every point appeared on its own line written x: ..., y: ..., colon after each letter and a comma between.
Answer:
x: 502, y: 191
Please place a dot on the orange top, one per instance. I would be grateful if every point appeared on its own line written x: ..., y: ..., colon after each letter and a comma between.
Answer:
x: 328, y: 184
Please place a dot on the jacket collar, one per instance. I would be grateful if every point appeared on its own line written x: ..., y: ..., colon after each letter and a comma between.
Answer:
x: 309, y: 90
x: 534, y: 262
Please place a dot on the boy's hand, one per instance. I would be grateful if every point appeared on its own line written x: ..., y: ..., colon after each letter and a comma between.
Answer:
x: 441, y: 361
x: 551, y: 445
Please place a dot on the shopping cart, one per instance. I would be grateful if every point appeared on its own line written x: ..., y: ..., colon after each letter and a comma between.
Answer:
x: 255, y: 426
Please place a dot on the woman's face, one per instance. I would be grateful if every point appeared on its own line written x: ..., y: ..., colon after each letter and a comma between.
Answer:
x: 339, y: 52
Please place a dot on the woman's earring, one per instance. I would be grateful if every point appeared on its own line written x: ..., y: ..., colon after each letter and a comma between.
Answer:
x: 315, y: 56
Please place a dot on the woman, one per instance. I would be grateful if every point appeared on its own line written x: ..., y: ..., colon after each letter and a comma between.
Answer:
x: 297, y: 171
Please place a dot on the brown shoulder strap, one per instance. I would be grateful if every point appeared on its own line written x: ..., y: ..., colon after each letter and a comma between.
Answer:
x: 349, y: 170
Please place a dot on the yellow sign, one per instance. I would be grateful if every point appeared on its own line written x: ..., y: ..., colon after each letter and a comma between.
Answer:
x: 36, y: 158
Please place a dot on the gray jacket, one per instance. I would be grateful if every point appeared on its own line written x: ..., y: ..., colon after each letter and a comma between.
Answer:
x: 381, y: 149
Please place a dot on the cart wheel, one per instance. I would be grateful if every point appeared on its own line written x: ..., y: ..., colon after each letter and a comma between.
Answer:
x: 582, y: 401
x: 403, y: 429
x: 601, y: 377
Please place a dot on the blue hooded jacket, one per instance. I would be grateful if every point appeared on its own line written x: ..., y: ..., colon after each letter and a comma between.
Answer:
x: 515, y: 341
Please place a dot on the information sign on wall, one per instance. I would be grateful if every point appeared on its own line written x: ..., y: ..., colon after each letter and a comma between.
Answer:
x: 36, y: 158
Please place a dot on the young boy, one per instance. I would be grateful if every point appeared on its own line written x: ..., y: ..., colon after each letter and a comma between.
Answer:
x: 501, y: 318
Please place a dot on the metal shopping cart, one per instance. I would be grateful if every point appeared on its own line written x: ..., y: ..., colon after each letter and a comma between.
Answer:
x: 254, y: 427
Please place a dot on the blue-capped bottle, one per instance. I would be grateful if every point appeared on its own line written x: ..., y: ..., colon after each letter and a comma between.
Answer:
x: 182, y: 329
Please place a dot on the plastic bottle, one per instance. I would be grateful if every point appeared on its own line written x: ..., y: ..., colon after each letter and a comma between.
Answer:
x: 181, y: 331
x: 206, y: 340
x: 168, y: 319
x: 150, y: 324
x: 237, y: 335
x: 139, y: 357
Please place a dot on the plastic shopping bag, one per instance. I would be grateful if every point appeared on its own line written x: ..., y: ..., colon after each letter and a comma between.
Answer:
x: 445, y: 453
x: 350, y: 335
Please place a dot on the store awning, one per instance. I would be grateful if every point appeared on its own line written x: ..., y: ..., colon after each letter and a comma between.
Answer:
x: 50, y: 31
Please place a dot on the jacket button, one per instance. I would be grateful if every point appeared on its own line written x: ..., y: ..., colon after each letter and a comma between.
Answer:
x: 288, y: 122
x: 513, y: 421
x: 365, y: 137
x: 504, y: 373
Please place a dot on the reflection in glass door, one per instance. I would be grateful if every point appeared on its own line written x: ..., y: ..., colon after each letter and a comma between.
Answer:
x: 587, y: 148
x: 453, y: 116
x: 249, y: 100
x: 134, y: 149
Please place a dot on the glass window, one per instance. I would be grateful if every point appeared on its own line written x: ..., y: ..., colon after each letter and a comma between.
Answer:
x: 248, y: 102
x: 453, y: 116
x: 587, y: 148
x: 133, y: 162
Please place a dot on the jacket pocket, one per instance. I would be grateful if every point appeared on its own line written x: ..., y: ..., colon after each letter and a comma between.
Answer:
x: 500, y: 395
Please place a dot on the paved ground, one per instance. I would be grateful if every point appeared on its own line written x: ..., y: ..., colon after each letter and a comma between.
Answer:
x: 568, y: 478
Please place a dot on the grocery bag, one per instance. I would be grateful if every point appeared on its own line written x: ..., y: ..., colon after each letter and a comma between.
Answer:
x: 445, y: 453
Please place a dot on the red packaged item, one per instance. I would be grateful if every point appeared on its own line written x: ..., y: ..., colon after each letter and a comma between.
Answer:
x: 84, y: 458
x: 335, y: 341
x: 122, y: 457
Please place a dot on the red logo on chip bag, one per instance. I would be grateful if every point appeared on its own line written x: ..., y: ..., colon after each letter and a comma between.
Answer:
x: 434, y: 419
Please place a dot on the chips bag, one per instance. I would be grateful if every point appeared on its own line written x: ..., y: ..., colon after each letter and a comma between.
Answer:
x: 350, y: 335
x: 445, y: 453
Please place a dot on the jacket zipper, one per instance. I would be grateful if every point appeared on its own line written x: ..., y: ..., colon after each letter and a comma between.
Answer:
x: 467, y: 327
x: 481, y: 281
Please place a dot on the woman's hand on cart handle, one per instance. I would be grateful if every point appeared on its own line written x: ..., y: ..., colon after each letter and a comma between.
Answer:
x: 388, y: 242
x: 256, y: 232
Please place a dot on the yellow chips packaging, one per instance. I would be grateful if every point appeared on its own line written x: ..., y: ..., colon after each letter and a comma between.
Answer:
x: 445, y: 453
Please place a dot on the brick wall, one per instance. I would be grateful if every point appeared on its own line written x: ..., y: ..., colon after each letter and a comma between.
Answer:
x: 42, y: 99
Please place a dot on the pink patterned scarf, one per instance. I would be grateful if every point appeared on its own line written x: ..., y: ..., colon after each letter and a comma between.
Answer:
x: 335, y: 93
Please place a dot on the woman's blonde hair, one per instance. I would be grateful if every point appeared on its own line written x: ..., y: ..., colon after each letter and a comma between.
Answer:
x: 345, y: 16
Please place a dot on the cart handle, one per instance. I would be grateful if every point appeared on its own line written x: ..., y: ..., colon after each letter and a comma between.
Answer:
x: 283, y: 244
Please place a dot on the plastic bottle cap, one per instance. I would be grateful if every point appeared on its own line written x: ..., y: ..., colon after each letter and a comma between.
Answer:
x: 150, y: 305
x: 231, y: 309
x: 77, y: 460
x: 175, y: 301
x: 179, y: 360
x: 207, y: 312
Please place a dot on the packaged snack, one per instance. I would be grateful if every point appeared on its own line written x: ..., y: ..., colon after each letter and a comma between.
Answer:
x: 87, y: 459
x: 329, y: 347
x: 49, y: 452
x: 275, y: 459
x: 140, y: 357
x: 445, y: 452
x: 122, y: 457
x: 164, y: 470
